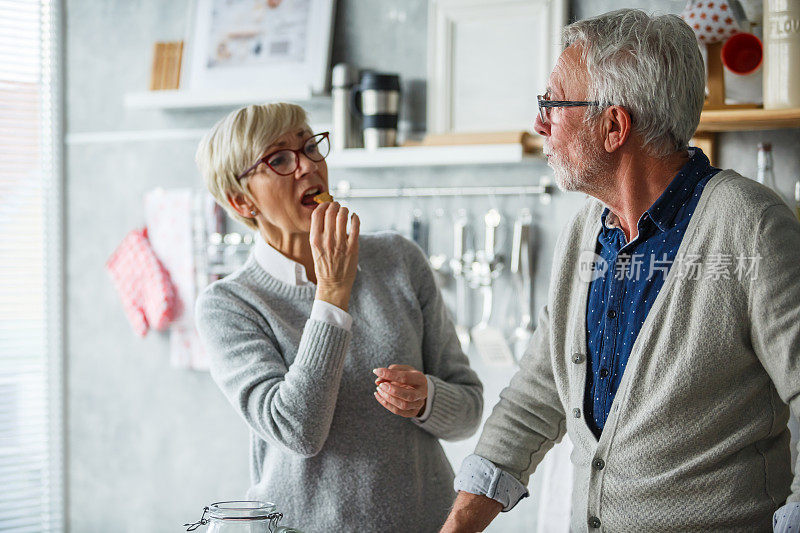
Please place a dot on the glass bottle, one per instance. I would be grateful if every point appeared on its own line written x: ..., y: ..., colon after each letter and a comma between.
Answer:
x: 766, y: 175
x: 797, y: 199
x: 239, y: 517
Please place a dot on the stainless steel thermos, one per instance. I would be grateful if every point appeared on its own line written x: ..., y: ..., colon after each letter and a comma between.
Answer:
x: 346, y: 123
x: 376, y: 100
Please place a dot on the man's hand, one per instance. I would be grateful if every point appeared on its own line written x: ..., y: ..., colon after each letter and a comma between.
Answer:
x: 401, y: 389
x: 471, y: 513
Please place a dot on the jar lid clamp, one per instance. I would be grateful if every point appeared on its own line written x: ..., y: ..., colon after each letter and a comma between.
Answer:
x: 203, y: 521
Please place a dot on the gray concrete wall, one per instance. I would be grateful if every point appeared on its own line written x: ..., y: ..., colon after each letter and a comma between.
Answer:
x: 149, y: 445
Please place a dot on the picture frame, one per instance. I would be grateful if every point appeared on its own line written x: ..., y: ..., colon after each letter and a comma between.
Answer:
x: 280, y: 48
x: 487, y: 61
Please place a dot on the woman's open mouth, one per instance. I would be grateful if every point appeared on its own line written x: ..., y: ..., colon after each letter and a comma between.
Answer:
x: 308, y: 197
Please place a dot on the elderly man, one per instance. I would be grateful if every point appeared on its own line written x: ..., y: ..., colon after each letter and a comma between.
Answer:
x: 669, y: 349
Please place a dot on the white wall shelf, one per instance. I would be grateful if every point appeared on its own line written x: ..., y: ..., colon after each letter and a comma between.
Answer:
x: 343, y: 190
x: 186, y: 99
x: 411, y: 156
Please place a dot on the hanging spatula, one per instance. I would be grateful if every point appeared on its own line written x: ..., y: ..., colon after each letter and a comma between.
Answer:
x: 460, y: 274
x: 522, y: 262
x: 489, y: 340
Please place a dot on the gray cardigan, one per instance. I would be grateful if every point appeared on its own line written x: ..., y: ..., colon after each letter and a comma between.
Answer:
x: 322, y: 448
x: 697, y: 437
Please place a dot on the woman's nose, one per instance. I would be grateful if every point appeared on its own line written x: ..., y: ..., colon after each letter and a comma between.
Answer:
x: 541, y: 127
x: 305, y: 165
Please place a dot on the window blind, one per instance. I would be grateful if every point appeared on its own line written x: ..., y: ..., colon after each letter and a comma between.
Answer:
x: 31, y: 404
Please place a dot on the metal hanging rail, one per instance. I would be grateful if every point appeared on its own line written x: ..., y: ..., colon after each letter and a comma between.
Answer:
x: 343, y: 190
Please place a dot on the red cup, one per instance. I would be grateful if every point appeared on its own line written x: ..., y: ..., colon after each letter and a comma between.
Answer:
x: 742, y: 53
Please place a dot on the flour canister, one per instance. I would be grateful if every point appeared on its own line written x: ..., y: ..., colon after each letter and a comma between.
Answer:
x: 781, y: 54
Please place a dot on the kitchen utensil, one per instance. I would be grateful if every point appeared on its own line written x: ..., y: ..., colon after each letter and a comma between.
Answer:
x: 377, y: 100
x: 457, y: 265
x: 489, y: 340
x: 522, y: 262
x: 419, y: 229
x: 438, y: 252
x: 742, y: 53
x: 714, y: 22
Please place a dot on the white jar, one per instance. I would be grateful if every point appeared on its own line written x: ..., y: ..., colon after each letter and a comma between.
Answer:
x: 781, y: 54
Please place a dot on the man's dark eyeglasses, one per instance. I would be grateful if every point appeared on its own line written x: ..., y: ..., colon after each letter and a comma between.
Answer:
x: 545, y: 104
x: 285, y: 161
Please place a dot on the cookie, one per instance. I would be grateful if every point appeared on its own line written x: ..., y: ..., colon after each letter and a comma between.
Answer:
x: 323, y: 197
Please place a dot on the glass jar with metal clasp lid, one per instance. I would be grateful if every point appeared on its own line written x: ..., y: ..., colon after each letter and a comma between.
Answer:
x: 241, y: 517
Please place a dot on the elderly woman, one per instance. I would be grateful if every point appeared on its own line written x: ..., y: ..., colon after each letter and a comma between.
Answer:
x: 298, y: 335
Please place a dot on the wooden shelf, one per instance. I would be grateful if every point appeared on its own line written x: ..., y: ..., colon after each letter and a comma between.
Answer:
x: 475, y: 148
x: 748, y: 119
x: 185, y: 99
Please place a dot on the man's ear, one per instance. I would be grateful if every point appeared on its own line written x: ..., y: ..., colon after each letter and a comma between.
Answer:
x: 241, y: 204
x: 616, y: 127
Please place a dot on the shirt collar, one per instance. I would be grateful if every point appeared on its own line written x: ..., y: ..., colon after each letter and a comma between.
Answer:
x: 682, y: 186
x: 278, y: 265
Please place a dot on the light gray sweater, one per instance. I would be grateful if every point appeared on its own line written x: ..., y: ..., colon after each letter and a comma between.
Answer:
x: 322, y: 448
x: 696, y: 439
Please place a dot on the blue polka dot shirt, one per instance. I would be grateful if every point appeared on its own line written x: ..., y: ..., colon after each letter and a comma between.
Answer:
x: 620, y: 299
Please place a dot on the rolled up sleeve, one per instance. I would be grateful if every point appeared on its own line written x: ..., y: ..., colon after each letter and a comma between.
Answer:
x: 481, y: 476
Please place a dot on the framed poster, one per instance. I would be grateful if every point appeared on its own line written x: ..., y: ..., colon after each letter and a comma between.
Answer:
x: 279, y: 47
x: 487, y: 61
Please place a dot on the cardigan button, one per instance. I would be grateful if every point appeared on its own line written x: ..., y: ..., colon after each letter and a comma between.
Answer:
x: 578, y: 358
x: 594, y: 522
x: 576, y: 413
x: 598, y: 464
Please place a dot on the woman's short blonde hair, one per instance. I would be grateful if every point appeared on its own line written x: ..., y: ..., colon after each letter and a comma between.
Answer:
x: 236, y: 142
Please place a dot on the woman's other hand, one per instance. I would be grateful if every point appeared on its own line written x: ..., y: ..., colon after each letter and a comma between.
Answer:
x: 402, y: 389
x: 335, y: 252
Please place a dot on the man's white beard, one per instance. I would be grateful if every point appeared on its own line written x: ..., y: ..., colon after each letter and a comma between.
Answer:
x: 583, y: 176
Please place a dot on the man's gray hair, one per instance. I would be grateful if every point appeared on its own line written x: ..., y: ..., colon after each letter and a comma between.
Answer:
x: 651, y: 66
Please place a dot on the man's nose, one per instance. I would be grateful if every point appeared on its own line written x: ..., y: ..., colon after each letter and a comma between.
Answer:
x: 541, y: 127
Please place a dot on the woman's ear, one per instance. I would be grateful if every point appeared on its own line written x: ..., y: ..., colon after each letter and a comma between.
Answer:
x: 241, y: 204
x: 616, y: 127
